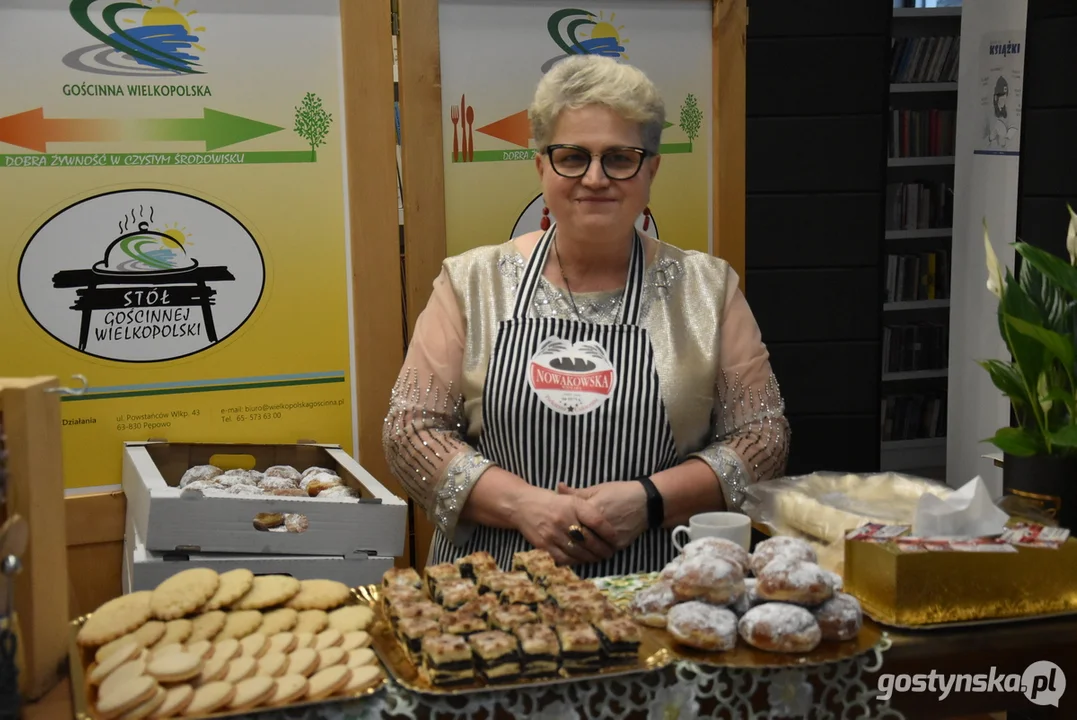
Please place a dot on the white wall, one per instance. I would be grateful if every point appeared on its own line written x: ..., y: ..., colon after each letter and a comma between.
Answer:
x: 985, y: 182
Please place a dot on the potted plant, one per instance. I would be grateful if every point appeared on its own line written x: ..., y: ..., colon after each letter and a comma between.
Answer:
x: 1037, y: 317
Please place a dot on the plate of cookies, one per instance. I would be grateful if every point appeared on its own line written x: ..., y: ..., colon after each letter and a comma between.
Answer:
x: 472, y: 626
x: 716, y: 604
x: 203, y: 644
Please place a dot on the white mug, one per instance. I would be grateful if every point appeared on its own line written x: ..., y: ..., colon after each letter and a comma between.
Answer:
x: 729, y: 525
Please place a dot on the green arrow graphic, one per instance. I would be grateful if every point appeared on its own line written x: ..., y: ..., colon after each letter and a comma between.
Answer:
x: 217, y: 129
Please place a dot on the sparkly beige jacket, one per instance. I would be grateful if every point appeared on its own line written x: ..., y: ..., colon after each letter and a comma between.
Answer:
x: 722, y: 400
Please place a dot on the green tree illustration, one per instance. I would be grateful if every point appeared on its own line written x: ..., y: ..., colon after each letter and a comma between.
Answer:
x: 691, y: 118
x: 312, y: 122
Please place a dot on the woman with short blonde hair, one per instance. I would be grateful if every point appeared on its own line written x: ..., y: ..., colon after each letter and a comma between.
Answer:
x: 584, y: 388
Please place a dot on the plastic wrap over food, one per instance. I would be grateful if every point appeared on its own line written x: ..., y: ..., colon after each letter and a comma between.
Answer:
x: 823, y: 506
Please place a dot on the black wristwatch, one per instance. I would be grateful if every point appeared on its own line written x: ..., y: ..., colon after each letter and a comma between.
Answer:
x: 656, y: 506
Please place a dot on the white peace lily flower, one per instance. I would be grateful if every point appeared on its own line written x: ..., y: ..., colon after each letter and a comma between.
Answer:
x: 1041, y: 391
x: 1071, y: 237
x: 677, y: 702
x: 994, y: 273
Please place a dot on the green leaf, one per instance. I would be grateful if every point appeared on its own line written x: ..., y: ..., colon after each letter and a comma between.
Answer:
x: 1029, y: 355
x: 1058, y: 346
x: 1018, y: 441
x: 1065, y: 437
x: 1058, y: 270
x: 1007, y: 379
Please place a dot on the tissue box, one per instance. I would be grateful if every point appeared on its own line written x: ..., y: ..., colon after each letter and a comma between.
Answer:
x: 914, y: 589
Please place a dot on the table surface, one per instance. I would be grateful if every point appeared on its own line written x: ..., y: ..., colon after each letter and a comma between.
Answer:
x: 1010, y: 647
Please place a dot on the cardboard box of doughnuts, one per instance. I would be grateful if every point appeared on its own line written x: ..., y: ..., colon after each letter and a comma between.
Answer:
x: 204, y: 643
x: 297, y: 499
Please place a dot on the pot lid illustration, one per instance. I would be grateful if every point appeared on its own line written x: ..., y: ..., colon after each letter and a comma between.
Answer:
x: 144, y: 251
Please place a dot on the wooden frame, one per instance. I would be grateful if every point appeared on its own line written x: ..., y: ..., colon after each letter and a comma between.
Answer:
x: 424, y: 179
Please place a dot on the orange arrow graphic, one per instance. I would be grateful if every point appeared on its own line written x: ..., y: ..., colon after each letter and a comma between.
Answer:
x: 515, y: 129
x: 31, y: 130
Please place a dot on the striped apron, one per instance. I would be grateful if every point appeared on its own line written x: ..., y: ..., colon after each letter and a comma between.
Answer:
x: 573, y: 402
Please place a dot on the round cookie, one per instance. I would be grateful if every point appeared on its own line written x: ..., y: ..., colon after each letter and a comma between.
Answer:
x: 115, y: 618
x: 201, y: 648
x: 183, y: 593
x: 702, y: 626
x: 363, y: 678
x: 234, y: 584
x: 331, y: 656
x: 302, y: 662
x: 252, y: 692
x: 303, y: 639
x: 320, y: 595
x: 354, y: 640
x: 325, y: 682
x: 130, y: 669
x: 151, y: 633
x: 272, y: 664
x: 126, y: 696
x: 360, y: 657
x: 112, y: 646
x: 210, y: 697
x: 311, y: 621
x: 707, y: 578
x: 213, y: 669
x: 720, y: 548
x: 175, y: 667
x: 228, y: 648
x: 781, y: 546
x: 794, y: 581
x: 176, y: 631
x: 283, y: 642
x: 289, y: 689
x: 780, y: 627
x: 176, y: 700
x: 207, y: 625
x: 267, y: 591
x: 651, y: 605
x: 241, y: 668
x: 203, y: 473
x: 240, y: 623
x: 254, y: 645
x: 328, y: 638
x: 127, y: 652
x: 279, y: 620
x: 840, y: 618
x: 351, y: 618
x: 146, y: 708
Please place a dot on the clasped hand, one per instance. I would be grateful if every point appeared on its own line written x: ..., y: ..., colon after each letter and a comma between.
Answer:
x: 612, y: 515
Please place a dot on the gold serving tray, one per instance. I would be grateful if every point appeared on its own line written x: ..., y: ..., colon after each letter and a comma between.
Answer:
x: 84, y: 696
x: 653, y: 655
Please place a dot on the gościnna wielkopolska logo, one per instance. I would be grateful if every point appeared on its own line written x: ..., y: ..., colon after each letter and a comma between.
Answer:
x: 582, y: 32
x: 143, y: 38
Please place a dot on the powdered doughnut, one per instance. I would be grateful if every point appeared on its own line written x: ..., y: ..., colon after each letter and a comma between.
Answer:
x: 338, y: 491
x: 235, y: 477
x: 284, y: 471
x: 275, y: 482
x: 200, y: 472
x: 242, y: 489
x: 718, y: 547
x: 840, y: 618
x: 286, y: 492
x: 703, y: 626
x: 651, y: 605
x: 781, y: 546
x: 315, y: 469
x: 324, y: 476
x: 670, y: 568
x: 747, y: 599
x: 780, y: 627
x: 836, y: 581
x: 202, y: 485
x: 794, y: 581
x: 708, y: 578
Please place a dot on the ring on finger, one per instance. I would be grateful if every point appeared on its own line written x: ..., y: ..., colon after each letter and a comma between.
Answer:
x: 576, y: 533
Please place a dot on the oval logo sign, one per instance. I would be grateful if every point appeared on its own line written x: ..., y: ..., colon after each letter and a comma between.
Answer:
x: 141, y: 275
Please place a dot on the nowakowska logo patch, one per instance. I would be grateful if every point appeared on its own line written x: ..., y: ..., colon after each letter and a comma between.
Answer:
x: 571, y: 378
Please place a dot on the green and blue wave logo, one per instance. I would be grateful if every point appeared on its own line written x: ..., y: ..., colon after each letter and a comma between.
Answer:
x: 155, y: 38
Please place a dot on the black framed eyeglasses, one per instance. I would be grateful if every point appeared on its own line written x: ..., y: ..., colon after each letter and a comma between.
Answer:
x: 573, y: 161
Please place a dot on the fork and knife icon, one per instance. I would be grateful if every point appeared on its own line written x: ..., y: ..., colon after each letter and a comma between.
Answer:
x: 467, y: 136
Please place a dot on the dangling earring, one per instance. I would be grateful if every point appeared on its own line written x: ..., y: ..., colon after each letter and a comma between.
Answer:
x: 646, y: 218
x: 545, y: 224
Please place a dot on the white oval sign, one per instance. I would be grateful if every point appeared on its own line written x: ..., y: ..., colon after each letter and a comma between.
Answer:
x: 141, y: 275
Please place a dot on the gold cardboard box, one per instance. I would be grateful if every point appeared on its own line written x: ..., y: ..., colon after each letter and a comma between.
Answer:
x: 913, y: 589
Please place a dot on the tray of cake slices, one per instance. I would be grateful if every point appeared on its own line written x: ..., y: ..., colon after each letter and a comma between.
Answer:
x: 716, y: 604
x: 472, y: 626
x: 208, y: 645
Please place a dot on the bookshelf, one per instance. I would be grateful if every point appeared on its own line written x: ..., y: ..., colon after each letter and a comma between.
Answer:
x: 916, y: 243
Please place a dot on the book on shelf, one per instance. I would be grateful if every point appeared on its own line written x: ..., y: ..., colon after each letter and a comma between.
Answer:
x: 909, y: 347
x: 922, y: 133
x: 924, y: 59
x: 918, y: 206
x: 918, y: 276
x: 926, y: 3
x: 913, y: 416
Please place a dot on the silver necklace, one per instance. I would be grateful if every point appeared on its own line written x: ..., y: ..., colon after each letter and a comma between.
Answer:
x: 571, y: 297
